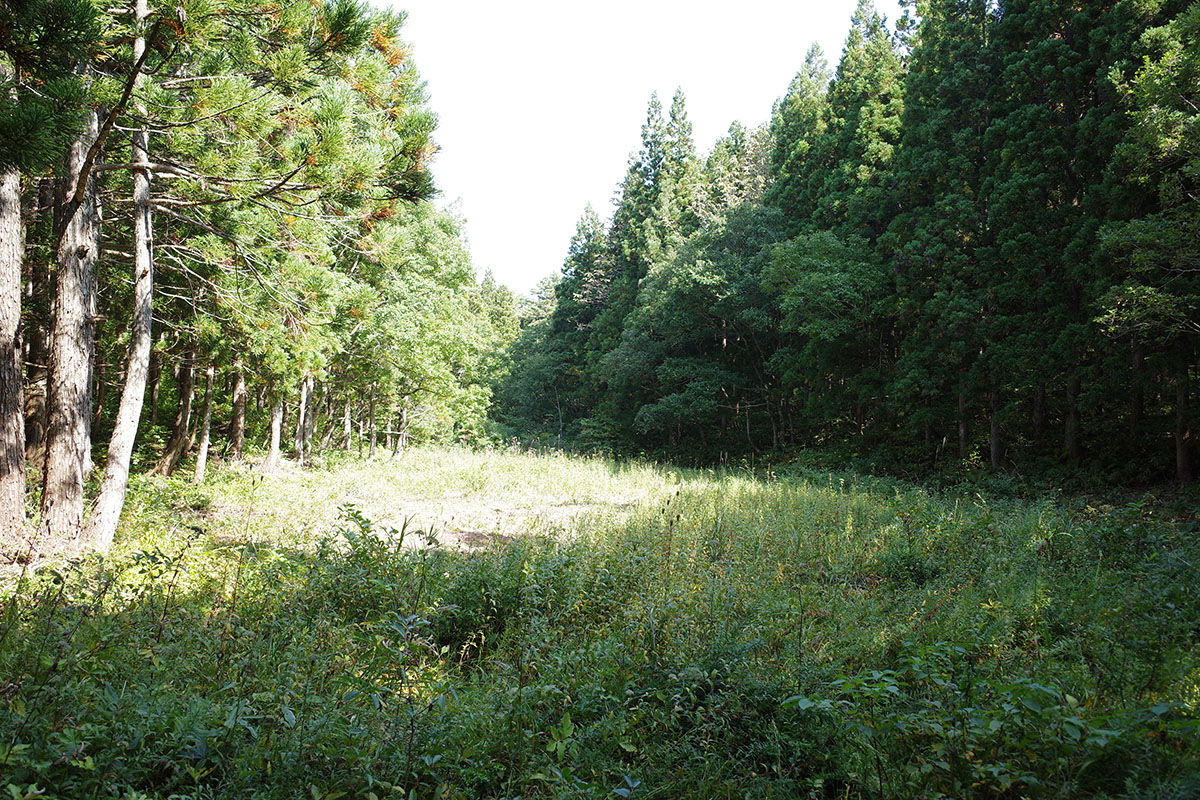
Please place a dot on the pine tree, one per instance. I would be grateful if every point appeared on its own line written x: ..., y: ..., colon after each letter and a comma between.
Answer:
x: 940, y: 240
x: 1156, y: 292
x: 797, y: 123
x: 1056, y: 121
x: 849, y: 180
x: 40, y: 112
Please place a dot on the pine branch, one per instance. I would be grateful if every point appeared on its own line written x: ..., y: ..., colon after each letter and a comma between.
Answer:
x: 105, y: 129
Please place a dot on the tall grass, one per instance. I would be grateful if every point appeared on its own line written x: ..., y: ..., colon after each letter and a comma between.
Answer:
x: 621, y: 629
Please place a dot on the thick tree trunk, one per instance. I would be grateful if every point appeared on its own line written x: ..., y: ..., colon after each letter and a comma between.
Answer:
x: 69, y: 401
x: 177, y: 447
x: 39, y: 298
x: 1183, y: 430
x: 237, y: 420
x: 272, y: 459
x: 103, y: 523
x: 12, y: 404
x: 302, y: 419
x: 206, y: 425
x: 310, y: 418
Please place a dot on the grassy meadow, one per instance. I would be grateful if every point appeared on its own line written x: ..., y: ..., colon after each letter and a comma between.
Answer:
x: 459, y: 624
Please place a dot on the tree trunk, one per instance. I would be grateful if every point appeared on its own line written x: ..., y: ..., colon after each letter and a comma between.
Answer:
x: 995, y: 448
x: 1137, y: 401
x: 69, y: 401
x: 374, y: 433
x: 177, y: 447
x: 155, y: 385
x: 39, y: 298
x: 1183, y: 430
x: 206, y: 425
x: 331, y: 430
x: 12, y: 404
x: 272, y: 459
x: 237, y: 420
x: 1039, y: 414
x: 310, y: 418
x: 302, y: 419
x: 963, y: 439
x: 347, y: 427
x: 98, y: 393
x: 1072, y: 447
x: 103, y: 523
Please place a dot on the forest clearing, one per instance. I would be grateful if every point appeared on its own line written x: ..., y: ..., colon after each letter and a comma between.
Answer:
x: 685, y: 634
x: 850, y: 454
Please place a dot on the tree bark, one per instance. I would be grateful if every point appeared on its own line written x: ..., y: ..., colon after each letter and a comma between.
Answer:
x: 1137, y: 401
x: 310, y: 418
x: 347, y: 427
x: 1072, y: 447
x: 302, y: 419
x: 12, y: 404
x: 272, y: 459
x: 1183, y: 430
x: 206, y: 425
x: 374, y: 433
x: 98, y: 391
x: 102, y: 525
x: 963, y: 441
x: 39, y: 298
x: 1039, y: 414
x: 69, y: 401
x: 177, y: 447
x: 995, y: 445
x: 237, y: 420
x: 155, y: 385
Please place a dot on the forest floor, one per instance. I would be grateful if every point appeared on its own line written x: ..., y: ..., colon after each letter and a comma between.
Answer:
x: 502, y: 624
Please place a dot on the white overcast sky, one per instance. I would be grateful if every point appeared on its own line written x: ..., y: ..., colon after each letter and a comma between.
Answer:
x: 541, y: 103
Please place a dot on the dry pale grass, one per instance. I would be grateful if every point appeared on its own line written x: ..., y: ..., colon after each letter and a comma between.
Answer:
x: 465, y: 498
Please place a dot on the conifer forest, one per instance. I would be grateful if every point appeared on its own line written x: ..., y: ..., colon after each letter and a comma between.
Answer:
x: 851, y: 458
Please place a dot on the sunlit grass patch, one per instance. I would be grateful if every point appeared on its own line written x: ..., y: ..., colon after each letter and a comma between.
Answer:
x: 621, y: 626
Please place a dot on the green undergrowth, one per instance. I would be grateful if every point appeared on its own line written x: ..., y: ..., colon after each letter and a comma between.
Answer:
x: 722, y: 636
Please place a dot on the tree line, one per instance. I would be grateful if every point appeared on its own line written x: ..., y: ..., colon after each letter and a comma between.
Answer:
x: 216, y: 227
x: 975, y: 241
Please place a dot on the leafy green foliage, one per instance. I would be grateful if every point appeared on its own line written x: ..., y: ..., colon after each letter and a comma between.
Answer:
x: 41, y: 97
x: 982, y: 253
x: 725, y: 636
